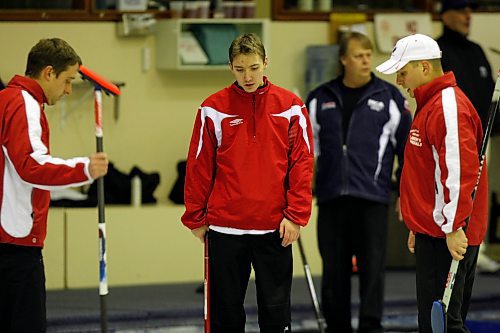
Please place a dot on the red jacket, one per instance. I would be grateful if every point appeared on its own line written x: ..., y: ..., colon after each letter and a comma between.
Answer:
x: 27, y: 170
x: 441, y: 164
x: 250, y: 160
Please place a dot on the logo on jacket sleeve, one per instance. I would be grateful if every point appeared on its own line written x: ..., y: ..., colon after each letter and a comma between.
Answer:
x: 375, y: 105
x: 235, y: 122
x: 483, y: 72
x: 415, y: 138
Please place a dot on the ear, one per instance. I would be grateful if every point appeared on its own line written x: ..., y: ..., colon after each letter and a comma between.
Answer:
x: 342, y: 60
x: 266, y: 61
x: 47, y: 72
x: 426, y: 67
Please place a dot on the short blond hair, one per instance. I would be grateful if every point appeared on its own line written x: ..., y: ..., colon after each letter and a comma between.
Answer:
x: 247, y: 44
x: 436, y: 64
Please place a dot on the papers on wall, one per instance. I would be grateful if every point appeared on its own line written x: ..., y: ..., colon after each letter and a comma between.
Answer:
x: 389, y: 28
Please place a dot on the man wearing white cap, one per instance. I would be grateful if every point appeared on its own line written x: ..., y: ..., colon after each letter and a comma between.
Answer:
x: 440, y: 170
x: 472, y: 70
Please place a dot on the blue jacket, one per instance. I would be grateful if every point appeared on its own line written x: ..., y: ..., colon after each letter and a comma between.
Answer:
x: 362, y: 166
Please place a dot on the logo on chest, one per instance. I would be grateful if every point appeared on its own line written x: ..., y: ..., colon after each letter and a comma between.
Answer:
x: 483, y: 72
x: 328, y: 105
x: 235, y: 122
x: 374, y: 105
x: 415, y: 138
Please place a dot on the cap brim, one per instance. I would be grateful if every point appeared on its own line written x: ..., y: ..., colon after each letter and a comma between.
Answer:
x: 390, y: 66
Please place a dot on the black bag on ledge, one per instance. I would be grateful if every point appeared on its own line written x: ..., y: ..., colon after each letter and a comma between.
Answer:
x: 117, y: 188
x: 177, y: 193
x: 149, y: 181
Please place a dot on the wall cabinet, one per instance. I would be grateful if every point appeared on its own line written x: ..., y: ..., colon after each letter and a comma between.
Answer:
x: 171, y: 36
x: 67, y: 10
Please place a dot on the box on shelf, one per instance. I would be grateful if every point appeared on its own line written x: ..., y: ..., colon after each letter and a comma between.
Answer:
x: 214, y: 39
x: 190, y: 50
x: 238, y: 9
x: 132, y: 5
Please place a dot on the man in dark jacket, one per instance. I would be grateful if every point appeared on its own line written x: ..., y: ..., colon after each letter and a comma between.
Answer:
x: 360, y: 124
x: 473, y: 74
x: 465, y: 58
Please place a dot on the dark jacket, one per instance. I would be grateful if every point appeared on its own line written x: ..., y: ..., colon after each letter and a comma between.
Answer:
x: 471, y: 68
x: 362, y: 166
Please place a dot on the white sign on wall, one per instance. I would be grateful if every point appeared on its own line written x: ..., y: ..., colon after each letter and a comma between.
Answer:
x: 389, y: 28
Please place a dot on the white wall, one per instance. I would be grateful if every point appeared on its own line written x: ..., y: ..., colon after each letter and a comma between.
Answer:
x: 157, y: 107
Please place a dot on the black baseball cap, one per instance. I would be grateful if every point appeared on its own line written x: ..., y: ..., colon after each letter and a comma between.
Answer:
x: 457, y: 4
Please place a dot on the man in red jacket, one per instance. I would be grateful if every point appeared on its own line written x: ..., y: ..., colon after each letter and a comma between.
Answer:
x: 248, y: 180
x: 441, y: 167
x: 27, y: 174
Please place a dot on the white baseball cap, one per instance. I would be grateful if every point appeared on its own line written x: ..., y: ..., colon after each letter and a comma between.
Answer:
x: 413, y: 47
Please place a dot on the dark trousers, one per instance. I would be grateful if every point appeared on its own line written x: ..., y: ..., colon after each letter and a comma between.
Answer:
x: 433, y: 264
x: 22, y: 290
x: 231, y: 258
x: 348, y: 226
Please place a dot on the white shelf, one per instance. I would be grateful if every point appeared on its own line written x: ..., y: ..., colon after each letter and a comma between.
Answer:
x: 168, y: 32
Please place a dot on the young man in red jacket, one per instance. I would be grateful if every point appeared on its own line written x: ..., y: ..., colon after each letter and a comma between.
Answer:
x: 248, y: 181
x: 441, y: 167
x: 27, y: 174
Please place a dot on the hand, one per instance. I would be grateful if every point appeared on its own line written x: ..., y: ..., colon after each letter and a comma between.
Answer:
x: 457, y: 244
x: 398, y: 209
x: 289, y: 231
x: 200, y: 232
x: 98, y: 165
x: 411, y: 242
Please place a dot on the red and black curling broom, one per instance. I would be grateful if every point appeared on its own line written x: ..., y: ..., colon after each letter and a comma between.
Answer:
x: 100, y: 84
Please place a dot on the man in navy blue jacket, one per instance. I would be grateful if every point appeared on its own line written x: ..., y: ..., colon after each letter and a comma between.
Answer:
x: 360, y: 124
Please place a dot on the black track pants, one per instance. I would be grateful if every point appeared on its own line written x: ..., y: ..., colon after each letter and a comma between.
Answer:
x: 22, y: 290
x: 433, y: 265
x: 231, y: 259
x: 348, y: 226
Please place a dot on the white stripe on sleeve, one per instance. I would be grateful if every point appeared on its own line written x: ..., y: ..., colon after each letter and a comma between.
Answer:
x: 452, y: 156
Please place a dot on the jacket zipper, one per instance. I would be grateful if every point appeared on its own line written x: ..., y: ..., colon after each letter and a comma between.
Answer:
x: 253, y: 114
x: 344, y: 190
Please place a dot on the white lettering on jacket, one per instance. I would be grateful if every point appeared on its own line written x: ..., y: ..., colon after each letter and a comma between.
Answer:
x: 415, y: 137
